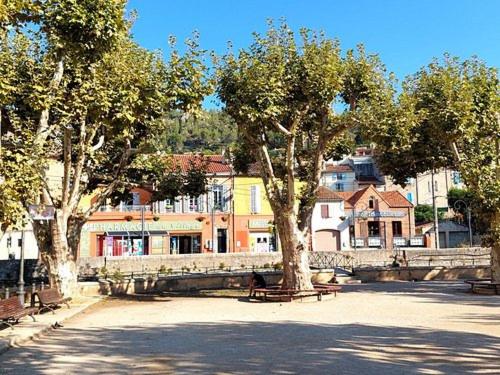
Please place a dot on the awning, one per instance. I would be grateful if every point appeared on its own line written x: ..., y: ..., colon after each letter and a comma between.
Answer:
x: 135, y: 233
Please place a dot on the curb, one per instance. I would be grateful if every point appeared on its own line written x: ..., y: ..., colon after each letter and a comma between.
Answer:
x: 17, y: 341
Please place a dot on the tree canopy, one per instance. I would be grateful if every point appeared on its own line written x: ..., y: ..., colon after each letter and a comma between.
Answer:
x: 293, y: 99
x: 447, y: 115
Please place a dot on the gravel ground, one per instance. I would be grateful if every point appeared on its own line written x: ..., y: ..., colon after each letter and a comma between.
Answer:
x: 379, y: 328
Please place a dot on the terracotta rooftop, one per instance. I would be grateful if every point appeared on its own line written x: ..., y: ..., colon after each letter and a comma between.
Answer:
x: 325, y: 193
x: 216, y: 163
x: 339, y: 168
x: 393, y: 198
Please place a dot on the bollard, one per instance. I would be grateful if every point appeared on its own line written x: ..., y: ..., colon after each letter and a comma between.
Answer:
x: 7, y: 293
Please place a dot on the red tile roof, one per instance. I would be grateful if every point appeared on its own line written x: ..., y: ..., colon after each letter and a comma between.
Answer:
x: 338, y: 168
x: 325, y: 193
x: 393, y: 198
x: 216, y: 163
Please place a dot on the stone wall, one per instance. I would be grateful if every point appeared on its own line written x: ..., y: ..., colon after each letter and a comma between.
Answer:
x: 152, y: 263
x: 421, y: 257
x: 361, y: 259
x: 423, y: 273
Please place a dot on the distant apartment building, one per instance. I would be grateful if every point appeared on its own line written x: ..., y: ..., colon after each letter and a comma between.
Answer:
x: 419, y: 190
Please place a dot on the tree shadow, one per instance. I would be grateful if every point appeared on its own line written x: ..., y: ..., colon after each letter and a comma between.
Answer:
x: 236, y: 347
x: 455, y: 291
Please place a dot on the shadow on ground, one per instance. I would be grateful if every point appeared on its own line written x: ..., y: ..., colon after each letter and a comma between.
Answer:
x: 257, y: 348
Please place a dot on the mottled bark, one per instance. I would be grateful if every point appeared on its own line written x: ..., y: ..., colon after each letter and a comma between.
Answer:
x: 295, y: 249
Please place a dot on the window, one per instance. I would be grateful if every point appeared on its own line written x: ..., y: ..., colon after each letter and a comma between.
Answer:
x: 340, y: 176
x: 371, y: 202
x: 324, y: 211
x: 255, y: 199
x: 339, y: 187
x: 436, y: 188
x: 456, y: 177
x: 218, y: 197
x: 374, y: 228
x: 397, y: 229
x: 409, y: 196
x: 191, y: 204
x: 429, y: 187
x: 136, y: 199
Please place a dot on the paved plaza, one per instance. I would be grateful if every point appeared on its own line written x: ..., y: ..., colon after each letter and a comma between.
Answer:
x: 379, y: 328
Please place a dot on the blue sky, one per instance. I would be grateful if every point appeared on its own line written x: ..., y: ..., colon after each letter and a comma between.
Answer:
x: 406, y: 34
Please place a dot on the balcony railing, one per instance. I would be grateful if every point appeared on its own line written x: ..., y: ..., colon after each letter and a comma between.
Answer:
x: 125, y: 208
x: 372, y: 241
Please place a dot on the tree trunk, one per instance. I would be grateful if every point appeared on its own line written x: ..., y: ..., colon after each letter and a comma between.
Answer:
x: 295, y: 249
x: 495, y: 248
x: 58, y: 252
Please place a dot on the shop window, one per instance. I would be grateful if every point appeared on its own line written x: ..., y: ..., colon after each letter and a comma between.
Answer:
x: 374, y: 228
x: 324, y: 211
x: 397, y: 229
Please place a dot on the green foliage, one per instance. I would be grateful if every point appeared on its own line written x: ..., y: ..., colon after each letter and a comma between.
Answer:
x: 207, y: 132
x: 281, y: 93
x: 448, y: 118
x: 424, y: 213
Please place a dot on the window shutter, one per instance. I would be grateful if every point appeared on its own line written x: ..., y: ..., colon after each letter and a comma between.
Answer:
x: 201, y: 203
x: 185, y: 205
x: 252, y: 199
x: 324, y: 211
x: 210, y: 198
x: 177, y: 204
x: 255, y: 199
x: 225, y: 198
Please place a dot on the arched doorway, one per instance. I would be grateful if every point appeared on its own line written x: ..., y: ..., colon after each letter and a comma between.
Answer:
x: 327, y: 240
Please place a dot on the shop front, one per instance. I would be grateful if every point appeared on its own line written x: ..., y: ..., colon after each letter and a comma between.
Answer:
x: 134, y: 239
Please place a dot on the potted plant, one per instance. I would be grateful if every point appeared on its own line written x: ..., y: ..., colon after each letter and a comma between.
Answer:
x: 224, y: 218
x: 200, y: 218
x: 156, y: 218
x: 128, y: 218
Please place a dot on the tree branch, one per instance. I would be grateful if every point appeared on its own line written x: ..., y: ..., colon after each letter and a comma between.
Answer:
x: 67, y: 150
x: 44, y: 129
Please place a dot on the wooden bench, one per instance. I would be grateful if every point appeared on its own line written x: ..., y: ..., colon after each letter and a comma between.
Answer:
x: 49, y: 299
x: 276, y: 293
x: 11, y: 310
x: 483, y: 283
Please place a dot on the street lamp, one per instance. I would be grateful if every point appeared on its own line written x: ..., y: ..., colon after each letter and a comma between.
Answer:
x: 468, y: 209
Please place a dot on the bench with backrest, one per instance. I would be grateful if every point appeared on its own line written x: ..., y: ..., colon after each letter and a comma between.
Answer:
x: 276, y: 293
x: 483, y: 283
x: 11, y: 310
x: 49, y: 299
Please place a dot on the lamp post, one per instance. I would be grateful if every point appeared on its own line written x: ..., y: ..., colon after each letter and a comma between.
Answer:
x: 468, y: 209
x: 20, y: 283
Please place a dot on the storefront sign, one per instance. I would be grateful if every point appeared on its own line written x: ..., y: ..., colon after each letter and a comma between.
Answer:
x: 262, y: 223
x: 136, y: 226
x: 365, y: 214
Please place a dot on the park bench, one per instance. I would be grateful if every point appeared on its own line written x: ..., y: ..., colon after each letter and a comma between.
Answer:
x: 483, y: 283
x: 49, y: 299
x: 11, y: 310
x: 287, y: 295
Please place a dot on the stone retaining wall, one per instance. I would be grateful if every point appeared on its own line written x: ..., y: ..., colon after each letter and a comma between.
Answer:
x: 361, y: 258
x: 423, y: 273
x: 152, y: 263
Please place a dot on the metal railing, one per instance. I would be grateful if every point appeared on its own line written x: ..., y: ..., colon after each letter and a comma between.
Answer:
x: 331, y: 260
x: 125, y: 208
